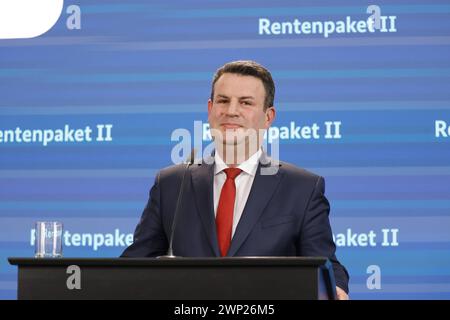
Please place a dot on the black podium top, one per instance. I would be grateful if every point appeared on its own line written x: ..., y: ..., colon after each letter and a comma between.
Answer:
x: 178, y: 261
x: 231, y: 278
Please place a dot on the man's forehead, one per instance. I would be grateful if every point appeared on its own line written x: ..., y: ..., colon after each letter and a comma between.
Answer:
x: 239, y: 85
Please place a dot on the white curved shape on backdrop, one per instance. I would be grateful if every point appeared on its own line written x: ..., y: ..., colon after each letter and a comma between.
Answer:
x: 22, y: 19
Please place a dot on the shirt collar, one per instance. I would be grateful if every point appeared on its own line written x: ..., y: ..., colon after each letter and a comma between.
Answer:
x: 249, y: 166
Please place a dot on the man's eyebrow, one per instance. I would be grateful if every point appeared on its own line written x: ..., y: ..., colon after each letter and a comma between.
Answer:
x: 240, y: 98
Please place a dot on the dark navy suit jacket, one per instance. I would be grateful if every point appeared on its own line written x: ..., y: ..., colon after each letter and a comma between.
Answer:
x: 286, y: 214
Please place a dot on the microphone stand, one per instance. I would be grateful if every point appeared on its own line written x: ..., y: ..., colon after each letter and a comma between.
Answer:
x: 170, y: 254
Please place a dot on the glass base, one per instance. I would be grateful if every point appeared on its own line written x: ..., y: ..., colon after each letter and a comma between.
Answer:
x: 47, y: 255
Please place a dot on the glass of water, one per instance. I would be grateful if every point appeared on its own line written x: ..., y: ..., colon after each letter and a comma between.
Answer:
x: 48, y: 239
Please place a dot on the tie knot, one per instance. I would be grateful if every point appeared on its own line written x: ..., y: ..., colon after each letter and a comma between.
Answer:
x: 232, y: 172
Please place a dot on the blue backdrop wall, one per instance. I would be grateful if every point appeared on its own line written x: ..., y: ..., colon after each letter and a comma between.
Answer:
x: 126, y: 74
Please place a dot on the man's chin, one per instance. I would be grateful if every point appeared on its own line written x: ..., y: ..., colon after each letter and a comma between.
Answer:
x: 232, y: 137
x: 232, y: 142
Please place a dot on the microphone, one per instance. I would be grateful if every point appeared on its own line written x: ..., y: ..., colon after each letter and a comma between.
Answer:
x: 188, y: 162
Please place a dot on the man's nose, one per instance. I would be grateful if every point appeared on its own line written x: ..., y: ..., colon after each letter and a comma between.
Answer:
x: 233, y: 108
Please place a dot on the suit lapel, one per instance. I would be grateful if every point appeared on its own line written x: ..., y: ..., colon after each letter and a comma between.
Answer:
x: 202, y: 181
x: 262, y: 190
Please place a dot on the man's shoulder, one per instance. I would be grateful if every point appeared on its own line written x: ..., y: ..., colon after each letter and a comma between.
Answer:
x: 173, y: 169
x: 174, y: 173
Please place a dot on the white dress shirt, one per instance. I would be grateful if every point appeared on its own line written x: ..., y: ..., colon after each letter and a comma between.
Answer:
x: 243, y: 183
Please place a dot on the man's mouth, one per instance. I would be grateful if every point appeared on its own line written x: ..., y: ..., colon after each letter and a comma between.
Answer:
x: 231, y: 126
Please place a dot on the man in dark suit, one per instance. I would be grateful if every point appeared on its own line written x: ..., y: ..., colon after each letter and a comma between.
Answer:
x: 239, y: 202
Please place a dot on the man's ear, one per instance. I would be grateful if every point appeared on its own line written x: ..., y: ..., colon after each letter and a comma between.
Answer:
x: 270, y: 116
x: 210, y: 105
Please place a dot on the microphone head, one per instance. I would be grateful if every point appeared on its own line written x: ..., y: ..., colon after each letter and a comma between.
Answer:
x: 190, y: 160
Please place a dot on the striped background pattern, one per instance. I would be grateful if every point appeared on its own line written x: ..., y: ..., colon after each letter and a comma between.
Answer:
x: 146, y: 67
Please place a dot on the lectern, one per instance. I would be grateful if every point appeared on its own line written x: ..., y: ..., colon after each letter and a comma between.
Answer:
x: 249, y: 278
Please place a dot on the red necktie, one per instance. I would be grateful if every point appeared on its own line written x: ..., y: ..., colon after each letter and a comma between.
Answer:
x: 224, y: 217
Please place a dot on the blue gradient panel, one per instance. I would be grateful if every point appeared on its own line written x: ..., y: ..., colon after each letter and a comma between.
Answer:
x: 145, y: 68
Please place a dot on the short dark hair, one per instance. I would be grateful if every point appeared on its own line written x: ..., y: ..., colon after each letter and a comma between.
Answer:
x: 248, y: 68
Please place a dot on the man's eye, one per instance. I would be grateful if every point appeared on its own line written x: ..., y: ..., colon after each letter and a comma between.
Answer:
x: 222, y: 101
x: 247, y: 103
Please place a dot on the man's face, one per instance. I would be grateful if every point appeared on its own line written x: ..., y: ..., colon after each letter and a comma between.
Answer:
x: 237, y: 109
